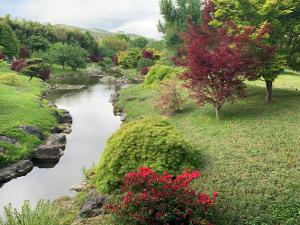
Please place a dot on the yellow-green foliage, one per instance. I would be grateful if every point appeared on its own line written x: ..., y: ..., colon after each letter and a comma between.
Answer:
x: 158, y: 73
x: 129, y: 59
x: 150, y: 142
x: 9, y: 79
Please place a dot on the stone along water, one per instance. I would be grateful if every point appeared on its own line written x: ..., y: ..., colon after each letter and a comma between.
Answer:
x: 93, y: 123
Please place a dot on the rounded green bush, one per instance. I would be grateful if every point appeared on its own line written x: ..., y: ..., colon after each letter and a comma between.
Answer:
x: 151, y: 142
x: 158, y: 73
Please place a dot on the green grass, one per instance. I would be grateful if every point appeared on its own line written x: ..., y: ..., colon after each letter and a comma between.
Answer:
x: 252, y: 156
x: 20, y: 104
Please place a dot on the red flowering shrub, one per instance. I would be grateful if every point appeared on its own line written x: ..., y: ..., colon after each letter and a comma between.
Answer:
x: 95, y: 58
x: 148, y: 54
x: 24, y: 53
x: 39, y: 70
x: 2, y: 56
x: 17, y: 64
x: 20, y: 66
x: 151, y: 198
x: 144, y: 71
x: 115, y: 59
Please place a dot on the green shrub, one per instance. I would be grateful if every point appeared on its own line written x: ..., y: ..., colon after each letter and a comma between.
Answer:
x: 106, y: 63
x: 43, y: 214
x: 168, y: 99
x: 130, y: 58
x: 151, y: 142
x: 145, y: 63
x: 158, y: 73
x: 10, y: 79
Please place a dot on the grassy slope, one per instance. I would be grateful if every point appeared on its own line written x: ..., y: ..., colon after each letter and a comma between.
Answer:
x: 20, y: 105
x: 252, y: 155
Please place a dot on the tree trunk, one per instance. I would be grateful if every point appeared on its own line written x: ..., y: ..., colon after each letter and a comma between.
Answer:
x: 269, y: 85
x: 217, y: 110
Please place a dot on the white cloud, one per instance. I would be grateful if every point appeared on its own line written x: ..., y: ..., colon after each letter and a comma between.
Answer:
x: 131, y: 16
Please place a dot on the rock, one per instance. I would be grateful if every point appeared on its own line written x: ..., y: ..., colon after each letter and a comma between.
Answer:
x: 114, y: 97
x: 33, y: 130
x: 92, y: 206
x: 58, y: 140
x: 51, y: 104
x: 47, y: 153
x: 17, y: 169
x: 64, y: 117
x: 66, y: 87
x: 62, y: 128
x: 9, y: 140
x: 52, y: 150
x: 123, y: 117
x: 80, y: 187
x: 2, y: 150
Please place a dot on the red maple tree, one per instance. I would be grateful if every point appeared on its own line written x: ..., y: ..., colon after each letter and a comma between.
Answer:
x: 220, y: 59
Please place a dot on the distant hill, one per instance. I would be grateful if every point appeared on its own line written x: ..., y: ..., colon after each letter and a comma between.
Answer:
x: 96, y: 33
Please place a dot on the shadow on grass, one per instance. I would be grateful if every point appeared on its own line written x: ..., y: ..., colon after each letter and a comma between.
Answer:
x: 292, y: 73
x: 252, y: 107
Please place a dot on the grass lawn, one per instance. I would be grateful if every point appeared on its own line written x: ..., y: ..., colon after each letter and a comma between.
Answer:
x: 252, y: 155
x: 20, y: 105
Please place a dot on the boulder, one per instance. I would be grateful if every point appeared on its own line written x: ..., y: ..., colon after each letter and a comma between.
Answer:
x: 92, y: 206
x: 52, y: 150
x: 58, y: 140
x: 17, y: 169
x: 64, y: 117
x: 62, y: 128
x: 47, y: 153
x: 123, y: 117
x: 80, y: 187
x: 9, y: 140
x: 33, y: 130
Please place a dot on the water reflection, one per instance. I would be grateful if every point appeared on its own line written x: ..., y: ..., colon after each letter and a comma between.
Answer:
x: 93, y: 123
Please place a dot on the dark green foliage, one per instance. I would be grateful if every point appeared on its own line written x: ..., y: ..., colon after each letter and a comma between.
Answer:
x: 28, y: 31
x: 158, y: 73
x: 106, y: 63
x: 157, y: 45
x: 176, y: 17
x: 38, y: 43
x: 145, y: 63
x: 139, y: 42
x: 113, y: 44
x: 8, y: 40
x: 67, y: 55
x: 151, y: 142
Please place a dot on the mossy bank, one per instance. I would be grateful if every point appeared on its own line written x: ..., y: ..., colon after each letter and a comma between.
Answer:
x: 22, y: 103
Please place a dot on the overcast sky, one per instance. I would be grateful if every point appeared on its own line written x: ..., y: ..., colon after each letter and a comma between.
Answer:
x: 131, y: 16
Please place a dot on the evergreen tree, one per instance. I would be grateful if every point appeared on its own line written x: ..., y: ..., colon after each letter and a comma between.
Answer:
x: 8, y: 40
x: 176, y: 17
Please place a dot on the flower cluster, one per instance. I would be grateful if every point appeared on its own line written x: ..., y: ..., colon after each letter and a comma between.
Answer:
x: 144, y: 70
x: 18, y: 65
x: 151, y: 198
x: 148, y: 54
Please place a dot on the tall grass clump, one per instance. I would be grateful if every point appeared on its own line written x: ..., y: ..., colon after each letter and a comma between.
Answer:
x: 43, y: 214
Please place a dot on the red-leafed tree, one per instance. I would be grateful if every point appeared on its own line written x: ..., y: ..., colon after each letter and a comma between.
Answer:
x: 220, y: 59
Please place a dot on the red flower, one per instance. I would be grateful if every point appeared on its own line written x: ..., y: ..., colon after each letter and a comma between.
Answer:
x: 151, y: 198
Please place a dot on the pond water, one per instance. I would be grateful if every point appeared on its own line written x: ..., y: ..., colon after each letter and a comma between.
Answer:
x: 93, y: 123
